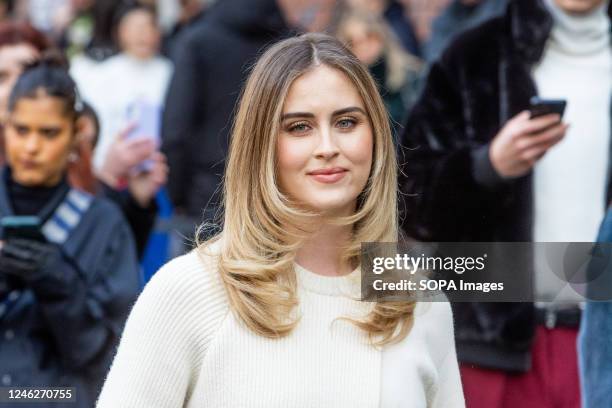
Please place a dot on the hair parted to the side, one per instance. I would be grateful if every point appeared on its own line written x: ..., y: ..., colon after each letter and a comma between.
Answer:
x: 262, y: 228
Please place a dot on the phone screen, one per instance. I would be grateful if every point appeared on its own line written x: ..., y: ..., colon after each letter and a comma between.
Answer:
x: 146, y: 118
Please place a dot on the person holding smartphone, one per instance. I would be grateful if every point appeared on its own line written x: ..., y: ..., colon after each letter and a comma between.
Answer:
x: 20, y: 44
x: 139, y: 76
x: 67, y: 258
x: 479, y: 167
x: 122, y: 178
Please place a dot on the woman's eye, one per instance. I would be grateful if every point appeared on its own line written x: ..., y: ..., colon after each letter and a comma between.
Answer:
x: 21, y: 130
x: 346, y: 123
x: 50, y: 133
x: 299, y: 127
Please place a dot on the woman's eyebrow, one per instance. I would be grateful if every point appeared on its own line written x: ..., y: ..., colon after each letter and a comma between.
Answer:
x: 297, y: 115
x: 334, y: 113
x: 50, y: 128
x: 16, y: 123
x: 348, y: 110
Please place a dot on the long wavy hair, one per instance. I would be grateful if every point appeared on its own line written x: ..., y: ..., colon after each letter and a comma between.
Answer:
x: 263, y: 229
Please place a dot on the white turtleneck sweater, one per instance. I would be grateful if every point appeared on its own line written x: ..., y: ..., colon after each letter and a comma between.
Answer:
x: 570, y: 180
x: 183, y: 347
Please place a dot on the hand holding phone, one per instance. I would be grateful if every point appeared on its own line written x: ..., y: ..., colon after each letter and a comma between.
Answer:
x: 523, y: 141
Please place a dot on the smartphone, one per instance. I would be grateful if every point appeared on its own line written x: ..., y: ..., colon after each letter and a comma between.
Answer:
x: 541, y: 107
x: 146, y: 117
x: 22, y: 226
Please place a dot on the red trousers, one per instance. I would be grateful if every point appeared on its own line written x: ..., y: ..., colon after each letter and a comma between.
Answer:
x: 552, y: 381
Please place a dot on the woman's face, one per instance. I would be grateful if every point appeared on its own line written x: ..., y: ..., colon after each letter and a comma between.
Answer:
x: 324, y: 149
x: 12, y: 60
x: 367, y: 46
x: 38, y: 140
x: 139, y: 35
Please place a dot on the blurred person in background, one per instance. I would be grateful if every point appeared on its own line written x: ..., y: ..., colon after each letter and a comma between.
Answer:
x: 137, y: 74
x: 102, y: 43
x: 120, y: 179
x: 478, y: 168
x: 190, y: 11
x: 127, y: 160
x: 394, y: 14
x: 211, y: 62
x: 78, y: 33
x: 20, y: 44
x: 421, y: 13
x: 68, y: 267
x: 396, y: 72
x: 596, y: 327
x: 456, y: 18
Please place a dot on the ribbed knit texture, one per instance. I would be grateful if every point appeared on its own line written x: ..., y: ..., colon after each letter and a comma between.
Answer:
x: 182, y: 347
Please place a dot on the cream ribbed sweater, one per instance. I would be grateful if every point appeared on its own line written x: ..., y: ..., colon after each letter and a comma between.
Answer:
x: 182, y: 347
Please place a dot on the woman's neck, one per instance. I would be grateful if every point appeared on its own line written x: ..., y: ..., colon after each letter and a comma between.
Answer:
x: 322, y: 251
x: 27, y: 200
x: 582, y: 34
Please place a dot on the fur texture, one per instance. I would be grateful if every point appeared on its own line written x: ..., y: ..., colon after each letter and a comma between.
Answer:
x: 450, y: 190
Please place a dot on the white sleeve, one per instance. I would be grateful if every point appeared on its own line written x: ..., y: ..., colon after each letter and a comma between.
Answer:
x: 164, y: 339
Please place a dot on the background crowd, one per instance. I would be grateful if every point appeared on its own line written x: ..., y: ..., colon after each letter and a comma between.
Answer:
x: 456, y: 77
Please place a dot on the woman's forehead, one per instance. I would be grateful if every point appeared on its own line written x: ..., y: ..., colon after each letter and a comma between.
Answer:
x: 40, y: 109
x: 321, y: 88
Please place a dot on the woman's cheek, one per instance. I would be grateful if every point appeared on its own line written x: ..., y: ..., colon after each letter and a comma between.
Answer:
x: 293, y: 154
x: 359, y: 150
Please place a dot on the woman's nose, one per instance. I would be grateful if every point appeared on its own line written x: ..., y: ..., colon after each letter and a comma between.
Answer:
x: 327, y: 147
x: 32, y: 143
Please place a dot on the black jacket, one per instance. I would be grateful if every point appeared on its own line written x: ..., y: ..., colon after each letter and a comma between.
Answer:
x: 61, y: 329
x: 211, y: 62
x: 452, y: 192
x: 141, y: 220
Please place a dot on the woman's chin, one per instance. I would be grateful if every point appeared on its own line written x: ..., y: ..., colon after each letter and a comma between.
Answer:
x: 28, y: 181
x: 334, y: 208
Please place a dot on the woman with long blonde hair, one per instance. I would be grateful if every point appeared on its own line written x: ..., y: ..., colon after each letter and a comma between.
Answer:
x: 267, y: 313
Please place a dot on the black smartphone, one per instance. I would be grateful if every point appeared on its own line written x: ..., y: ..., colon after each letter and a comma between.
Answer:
x: 22, y: 226
x: 541, y: 107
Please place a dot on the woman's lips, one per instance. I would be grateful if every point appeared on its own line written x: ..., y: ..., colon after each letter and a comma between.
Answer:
x: 328, y: 176
x: 26, y: 164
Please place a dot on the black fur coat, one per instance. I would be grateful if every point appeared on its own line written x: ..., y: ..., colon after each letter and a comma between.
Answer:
x: 450, y: 190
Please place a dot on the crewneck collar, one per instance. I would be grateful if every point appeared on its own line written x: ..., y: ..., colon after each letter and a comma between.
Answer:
x: 345, y: 285
x: 579, y: 34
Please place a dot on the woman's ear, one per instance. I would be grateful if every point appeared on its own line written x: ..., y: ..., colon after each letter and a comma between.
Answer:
x: 80, y: 126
